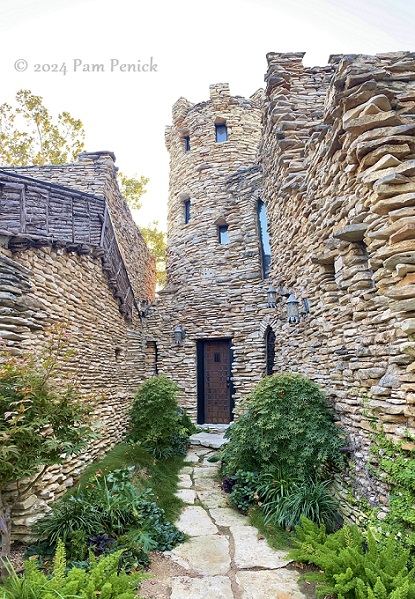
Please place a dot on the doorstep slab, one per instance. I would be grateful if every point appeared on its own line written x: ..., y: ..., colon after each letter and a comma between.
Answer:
x: 212, y: 440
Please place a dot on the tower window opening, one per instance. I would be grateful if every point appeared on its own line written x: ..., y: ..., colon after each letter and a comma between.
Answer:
x: 264, y: 240
x: 223, y: 234
x: 269, y: 351
x: 186, y: 140
x: 186, y: 211
x: 221, y: 133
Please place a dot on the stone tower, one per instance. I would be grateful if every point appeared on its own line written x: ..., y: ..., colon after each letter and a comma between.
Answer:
x: 217, y: 267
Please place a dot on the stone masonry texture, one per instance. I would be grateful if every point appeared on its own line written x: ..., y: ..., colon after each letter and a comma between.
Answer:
x: 60, y: 283
x: 331, y: 152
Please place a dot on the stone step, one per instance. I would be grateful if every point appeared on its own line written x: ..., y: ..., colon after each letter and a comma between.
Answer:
x: 212, y: 440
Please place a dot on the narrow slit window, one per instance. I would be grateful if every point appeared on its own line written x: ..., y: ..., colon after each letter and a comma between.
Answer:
x: 223, y: 234
x: 270, y: 351
x: 186, y: 140
x: 264, y: 240
x: 186, y: 211
x: 221, y: 133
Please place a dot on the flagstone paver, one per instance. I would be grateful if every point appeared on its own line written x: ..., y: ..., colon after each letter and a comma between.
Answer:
x: 187, y: 495
x: 196, y: 522
x: 268, y: 584
x: 208, y: 555
x: 185, y: 481
x: 208, y: 587
x: 225, y: 557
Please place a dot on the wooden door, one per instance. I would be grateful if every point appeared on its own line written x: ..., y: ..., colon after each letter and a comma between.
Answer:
x: 217, y: 381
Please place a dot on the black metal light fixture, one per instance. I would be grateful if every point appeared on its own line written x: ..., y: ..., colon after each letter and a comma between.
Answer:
x: 179, y: 334
x: 293, y: 309
x: 293, y: 305
x: 143, y: 308
x: 306, y: 307
x: 272, y: 297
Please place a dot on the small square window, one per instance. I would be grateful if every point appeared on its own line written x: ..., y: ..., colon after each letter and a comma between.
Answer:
x: 186, y: 140
x: 223, y: 234
x: 186, y: 211
x: 221, y: 133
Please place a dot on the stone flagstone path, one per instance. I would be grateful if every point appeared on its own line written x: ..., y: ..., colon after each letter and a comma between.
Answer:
x: 224, y: 558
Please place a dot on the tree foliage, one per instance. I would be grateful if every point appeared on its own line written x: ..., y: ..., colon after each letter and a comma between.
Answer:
x: 41, y: 420
x: 30, y: 135
x: 132, y: 188
x: 156, y: 242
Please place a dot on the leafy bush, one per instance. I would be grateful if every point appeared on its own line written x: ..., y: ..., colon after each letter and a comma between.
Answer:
x: 117, y: 513
x: 103, y: 579
x: 353, y: 566
x: 35, y: 396
x: 157, y: 423
x: 243, y: 489
x: 286, y: 424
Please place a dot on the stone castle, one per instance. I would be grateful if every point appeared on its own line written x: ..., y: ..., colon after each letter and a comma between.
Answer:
x: 291, y: 246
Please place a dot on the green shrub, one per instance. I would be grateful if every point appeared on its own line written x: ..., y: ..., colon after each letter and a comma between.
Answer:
x: 353, y: 566
x: 103, y: 579
x: 157, y: 423
x: 286, y: 424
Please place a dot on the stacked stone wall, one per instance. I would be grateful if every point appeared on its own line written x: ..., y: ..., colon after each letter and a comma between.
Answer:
x: 95, y: 174
x: 52, y: 282
x: 339, y: 179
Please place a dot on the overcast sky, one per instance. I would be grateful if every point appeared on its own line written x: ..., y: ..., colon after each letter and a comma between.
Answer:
x: 192, y: 43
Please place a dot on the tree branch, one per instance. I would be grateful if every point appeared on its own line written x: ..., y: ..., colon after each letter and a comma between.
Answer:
x: 20, y: 493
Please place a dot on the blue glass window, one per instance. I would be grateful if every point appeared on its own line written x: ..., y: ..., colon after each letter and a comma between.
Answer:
x: 223, y: 234
x: 186, y: 143
x: 264, y: 239
x: 186, y: 211
x: 221, y: 133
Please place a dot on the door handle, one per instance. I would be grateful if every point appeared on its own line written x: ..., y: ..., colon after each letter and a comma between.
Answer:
x: 228, y: 381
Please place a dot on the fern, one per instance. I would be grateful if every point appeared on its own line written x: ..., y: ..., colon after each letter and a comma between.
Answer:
x: 103, y: 580
x: 354, y: 566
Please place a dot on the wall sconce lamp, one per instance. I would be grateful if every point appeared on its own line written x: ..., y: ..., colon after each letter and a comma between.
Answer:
x: 272, y: 297
x: 293, y: 305
x: 272, y: 293
x: 143, y: 308
x: 293, y: 309
x: 179, y: 335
